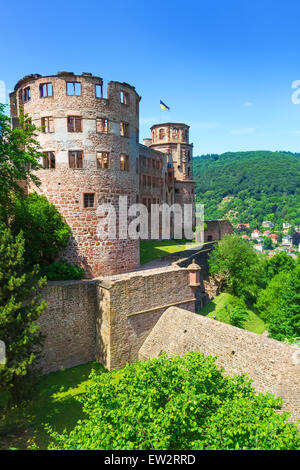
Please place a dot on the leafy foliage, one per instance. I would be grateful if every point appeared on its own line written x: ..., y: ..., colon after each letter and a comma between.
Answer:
x: 62, y: 271
x: 44, y: 229
x: 20, y: 308
x: 238, y: 265
x: 281, y: 262
x: 238, y: 317
x: 177, y: 403
x: 279, y: 305
x: 249, y: 187
x: 19, y: 156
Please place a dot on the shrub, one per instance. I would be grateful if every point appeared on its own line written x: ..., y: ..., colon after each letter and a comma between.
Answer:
x: 44, y: 229
x: 177, y: 403
x: 62, y: 271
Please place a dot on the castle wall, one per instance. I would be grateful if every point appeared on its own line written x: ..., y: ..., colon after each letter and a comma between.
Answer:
x: 108, y: 319
x: 136, y: 302
x: 272, y: 365
x: 68, y: 324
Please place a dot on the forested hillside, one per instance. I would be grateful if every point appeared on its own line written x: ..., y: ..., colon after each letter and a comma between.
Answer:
x: 249, y: 187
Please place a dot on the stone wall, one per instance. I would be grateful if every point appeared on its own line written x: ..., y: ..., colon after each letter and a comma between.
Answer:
x: 216, y: 229
x: 68, y: 324
x: 108, y: 318
x: 273, y: 366
x: 132, y: 304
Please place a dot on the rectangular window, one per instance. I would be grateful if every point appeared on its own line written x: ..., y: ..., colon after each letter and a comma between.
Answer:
x: 124, y: 97
x: 73, y: 88
x: 75, y: 159
x: 98, y: 91
x: 144, y: 180
x: 124, y: 129
x: 46, y: 89
x: 74, y: 124
x: 124, y: 162
x: 47, y: 125
x: 88, y: 200
x: 26, y: 94
x: 102, y: 160
x: 49, y: 160
x: 149, y: 180
x: 102, y: 125
x: 137, y: 135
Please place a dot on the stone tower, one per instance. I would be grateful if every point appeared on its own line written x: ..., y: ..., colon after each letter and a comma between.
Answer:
x: 172, y: 139
x: 91, y: 149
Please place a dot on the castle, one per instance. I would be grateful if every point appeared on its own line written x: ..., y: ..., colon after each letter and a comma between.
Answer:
x: 92, y: 155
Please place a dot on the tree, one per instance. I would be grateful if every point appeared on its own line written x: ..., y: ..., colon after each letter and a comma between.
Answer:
x: 236, y: 262
x: 268, y: 245
x: 284, y: 321
x: 281, y: 262
x: 238, y: 316
x: 279, y: 305
x: 176, y: 403
x: 44, y: 229
x: 19, y: 157
x: 20, y: 308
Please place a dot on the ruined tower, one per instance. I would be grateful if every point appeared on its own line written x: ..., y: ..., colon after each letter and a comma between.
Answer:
x: 91, y: 150
x: 172, y: 139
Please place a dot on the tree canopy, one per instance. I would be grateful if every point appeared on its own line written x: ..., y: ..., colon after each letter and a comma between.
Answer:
x: 177, y: 403
x: 250, y: 187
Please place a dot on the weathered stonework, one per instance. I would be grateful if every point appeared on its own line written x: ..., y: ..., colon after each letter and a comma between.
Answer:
x: 107, y: 319
x: 156, y: 173
x: 272, y: 365
x: 217, y: 229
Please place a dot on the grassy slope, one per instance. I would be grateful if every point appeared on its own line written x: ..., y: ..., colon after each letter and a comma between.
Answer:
x: 54, y: 403
x: 217, y: 307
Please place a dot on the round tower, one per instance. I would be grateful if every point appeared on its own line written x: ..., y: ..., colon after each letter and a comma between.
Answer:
x: 173, y: 140
x: 90, y: 146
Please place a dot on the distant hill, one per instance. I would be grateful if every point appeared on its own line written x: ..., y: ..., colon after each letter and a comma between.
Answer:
x: 249, y: 187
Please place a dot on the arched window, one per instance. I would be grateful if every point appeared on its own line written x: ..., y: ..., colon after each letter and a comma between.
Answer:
x: 175, y: 133
x: 162, y: 134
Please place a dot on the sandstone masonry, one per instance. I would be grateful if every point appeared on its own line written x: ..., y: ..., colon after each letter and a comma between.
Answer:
x: 92, y: 156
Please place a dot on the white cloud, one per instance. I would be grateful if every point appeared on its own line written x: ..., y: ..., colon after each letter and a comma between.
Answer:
x: 242, y: 131
x: 248, y: 104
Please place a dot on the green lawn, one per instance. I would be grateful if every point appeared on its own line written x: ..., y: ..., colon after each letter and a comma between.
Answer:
x: 155, y: 249
x: 54, y: 402
x: 217, y: 307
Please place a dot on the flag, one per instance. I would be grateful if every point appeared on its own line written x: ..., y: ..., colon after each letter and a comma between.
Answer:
x: 164, y: 106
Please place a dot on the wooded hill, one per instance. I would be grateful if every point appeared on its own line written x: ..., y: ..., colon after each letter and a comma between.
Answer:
x: 249, y: 187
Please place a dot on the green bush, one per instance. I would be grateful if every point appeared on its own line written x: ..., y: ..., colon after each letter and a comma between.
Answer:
x: 176, y: 403
x: 45, y: 232
x: 238, y: 266
x: 62, y: 271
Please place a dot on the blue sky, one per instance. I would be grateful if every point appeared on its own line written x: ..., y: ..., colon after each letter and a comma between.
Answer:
x: 224, y: 67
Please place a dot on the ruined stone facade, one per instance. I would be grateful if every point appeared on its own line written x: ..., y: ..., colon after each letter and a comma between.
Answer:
x: 93, y: 156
